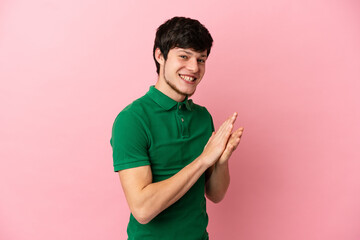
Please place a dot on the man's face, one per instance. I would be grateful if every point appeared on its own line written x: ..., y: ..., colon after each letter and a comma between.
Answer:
x: 182, y: 71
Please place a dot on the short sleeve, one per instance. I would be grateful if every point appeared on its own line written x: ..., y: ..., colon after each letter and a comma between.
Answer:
x: 129, y: 142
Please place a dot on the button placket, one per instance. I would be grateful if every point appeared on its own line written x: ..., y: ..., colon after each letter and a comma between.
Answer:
x: 182, y: 123
x: 185, y: 130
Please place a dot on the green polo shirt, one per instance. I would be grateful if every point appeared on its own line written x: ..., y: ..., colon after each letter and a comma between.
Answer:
x: 167, y: 135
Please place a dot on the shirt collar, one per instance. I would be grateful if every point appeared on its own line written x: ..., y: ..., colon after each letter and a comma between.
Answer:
x: 166, y: 102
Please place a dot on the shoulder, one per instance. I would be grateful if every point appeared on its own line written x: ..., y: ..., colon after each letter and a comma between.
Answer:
x: 133, y: 119
x: 134, y: 111
x: 131, y: 122
x: 199, y: 108
x: 202, y: 114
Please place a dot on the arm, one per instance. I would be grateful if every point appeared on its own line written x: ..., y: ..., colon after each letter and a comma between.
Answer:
x: 147, y: 199
x: 218, y: 177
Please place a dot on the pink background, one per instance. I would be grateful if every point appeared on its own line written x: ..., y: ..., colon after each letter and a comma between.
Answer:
x: 290, y: 68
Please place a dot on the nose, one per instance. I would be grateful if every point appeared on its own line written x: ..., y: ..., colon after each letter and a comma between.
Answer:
x: 192, y: 65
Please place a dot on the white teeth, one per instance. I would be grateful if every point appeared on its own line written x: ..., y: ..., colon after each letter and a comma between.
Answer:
x: 187, y: 78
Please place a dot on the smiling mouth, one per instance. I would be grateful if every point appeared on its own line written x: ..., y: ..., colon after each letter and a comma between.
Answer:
x: 187, y: 78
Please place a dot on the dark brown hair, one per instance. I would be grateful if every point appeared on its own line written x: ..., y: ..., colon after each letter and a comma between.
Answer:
x: 181, y: 32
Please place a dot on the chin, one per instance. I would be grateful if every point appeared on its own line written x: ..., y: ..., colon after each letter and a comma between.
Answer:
x: 189, y: 93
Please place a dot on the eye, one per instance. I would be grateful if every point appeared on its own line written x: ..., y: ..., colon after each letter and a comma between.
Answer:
x: 183, y: 56
x: 201, y: 60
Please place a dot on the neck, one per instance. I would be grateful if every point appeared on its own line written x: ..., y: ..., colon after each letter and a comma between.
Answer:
x: 166, y: 89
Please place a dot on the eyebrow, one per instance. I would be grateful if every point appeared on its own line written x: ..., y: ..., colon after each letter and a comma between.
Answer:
x: 190, y: 53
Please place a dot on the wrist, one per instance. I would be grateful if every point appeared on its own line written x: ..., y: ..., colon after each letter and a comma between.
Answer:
x: 205, y: 160
x: 222, y: 164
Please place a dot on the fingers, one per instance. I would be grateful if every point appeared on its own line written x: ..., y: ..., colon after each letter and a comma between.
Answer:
x: 227, y: 126
x: 223, y: 142
x: 238, y: 132
x: 231, y: 145
x: 230, y: 120
x: 236, y: 135
x: 234, y: 139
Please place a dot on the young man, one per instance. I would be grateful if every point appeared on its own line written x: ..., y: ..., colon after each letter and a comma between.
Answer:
x: 164, y: 146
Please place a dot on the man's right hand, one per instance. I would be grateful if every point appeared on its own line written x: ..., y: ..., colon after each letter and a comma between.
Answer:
x: 218, y: 140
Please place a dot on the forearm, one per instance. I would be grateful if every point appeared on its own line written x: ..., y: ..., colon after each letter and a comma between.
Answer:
x: 218, y: 182
x: 156, y: 197
x: 218, y: 176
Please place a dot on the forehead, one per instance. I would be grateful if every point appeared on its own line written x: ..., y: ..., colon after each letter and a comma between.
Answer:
x: 190, y: 51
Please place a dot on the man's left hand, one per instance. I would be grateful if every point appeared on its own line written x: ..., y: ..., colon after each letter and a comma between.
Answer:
x: 232, y: 144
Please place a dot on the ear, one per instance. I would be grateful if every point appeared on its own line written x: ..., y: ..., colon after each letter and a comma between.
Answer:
x: 159, y: 56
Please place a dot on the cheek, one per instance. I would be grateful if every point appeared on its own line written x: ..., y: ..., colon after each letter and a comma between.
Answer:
x: 173, y: 67
x: 202, y: 70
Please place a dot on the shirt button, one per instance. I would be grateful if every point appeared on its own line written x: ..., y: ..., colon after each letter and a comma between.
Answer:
x: 182, y: 119
x: 179, y: 106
